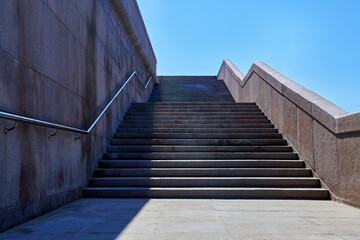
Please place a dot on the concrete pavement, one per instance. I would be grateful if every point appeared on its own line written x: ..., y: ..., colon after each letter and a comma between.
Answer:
x: 194, y: 219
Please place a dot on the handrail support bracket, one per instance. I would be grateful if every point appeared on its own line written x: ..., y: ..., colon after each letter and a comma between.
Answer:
x: 50, y: 135
x: 8, y: 129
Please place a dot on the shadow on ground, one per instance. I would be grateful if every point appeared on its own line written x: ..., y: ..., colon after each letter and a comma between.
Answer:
x: 82, y: 219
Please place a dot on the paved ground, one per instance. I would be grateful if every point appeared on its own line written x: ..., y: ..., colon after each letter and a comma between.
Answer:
x: 193, y: 219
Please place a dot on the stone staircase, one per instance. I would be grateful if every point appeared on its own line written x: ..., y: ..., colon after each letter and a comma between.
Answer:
x: 191, y: 140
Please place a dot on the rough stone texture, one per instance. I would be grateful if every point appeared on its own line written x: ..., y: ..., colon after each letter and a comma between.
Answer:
x: 277, y: 109
x: 264, y: 96
x: 305, y: 137
x: 290, y: 122
x: 325, y: 136
x: 325, y: 155
x: 9, y: 37
x: 61, y: 61
x: 348, y: 123
x: 349, y: 166
x: 194, y: 219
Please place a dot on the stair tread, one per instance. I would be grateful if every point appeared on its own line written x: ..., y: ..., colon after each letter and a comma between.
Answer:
x: 250, y: 178
x: 204, y: 169
x: 206, y: 160
x: 212, y: 188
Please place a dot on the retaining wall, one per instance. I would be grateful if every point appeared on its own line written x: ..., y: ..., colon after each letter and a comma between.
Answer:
x: 324, y: 135
x: 62, y: 61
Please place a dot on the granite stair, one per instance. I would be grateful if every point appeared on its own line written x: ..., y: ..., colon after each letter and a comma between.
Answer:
x: 191, y: 140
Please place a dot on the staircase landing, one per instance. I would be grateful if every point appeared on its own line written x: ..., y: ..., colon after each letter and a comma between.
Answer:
x: 193, y: 219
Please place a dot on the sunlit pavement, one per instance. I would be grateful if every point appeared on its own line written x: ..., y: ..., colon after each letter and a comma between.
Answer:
x: 193, y: 219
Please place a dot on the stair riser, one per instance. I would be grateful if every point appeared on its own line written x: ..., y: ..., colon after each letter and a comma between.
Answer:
x: 224, y: 121
x: 183, y: 89
x: 213, y: 91
x: 188, y: 78
x: 201, y: 164
x: 194, y: 104
x: 202, y: 173
x: 209, y: 99
x: 214, y: 182
x: 196, y: 130
x: 209, y: 92
x: 193, y: 149
x: 185, y: 126
x: 192, y: 110
x: 192, y: 86
x: 199, y: 135
x: 194, y: 117
x: 206, y: 97
x: 213, y: 142
x: 214, y: 155
x: 196, y: 114
x: 220, y: 194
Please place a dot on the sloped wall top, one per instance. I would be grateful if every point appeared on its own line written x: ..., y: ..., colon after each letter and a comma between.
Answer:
x: 330, y: 115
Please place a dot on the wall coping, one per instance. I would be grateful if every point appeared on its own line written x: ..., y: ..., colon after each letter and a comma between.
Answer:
x: 122, y: 11
x: 325, y: 112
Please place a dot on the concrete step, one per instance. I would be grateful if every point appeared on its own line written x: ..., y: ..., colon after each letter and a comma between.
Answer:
x: 187, y: 78
x: 177, y: 91
x: 182, y: 93
x: 184, y: 126
x: 202, y: 155
x: 214, y: 163
x: 202, y: 172
x: 181, y: 89
x: 193, y: 149
x: 200, y: 135
x: 194, y: 104
x: 214, y: 91
x: 243, y: 193
x: 196, y: 130
x: 180, y: 106
x: 192, y: 86
x: 196, y: 117
x: 201, y: 121
x: 191, y: 114
x: 209, y: 99
x: 200, y: 95
x: 209, y: 142
x: 284, y: 182
x: 164, y: 110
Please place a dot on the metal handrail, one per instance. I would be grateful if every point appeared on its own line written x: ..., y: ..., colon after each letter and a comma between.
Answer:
x: 20, y: 118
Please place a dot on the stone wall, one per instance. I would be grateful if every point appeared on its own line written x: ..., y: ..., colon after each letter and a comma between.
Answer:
x: 324, y: 135
x: 62, y: 61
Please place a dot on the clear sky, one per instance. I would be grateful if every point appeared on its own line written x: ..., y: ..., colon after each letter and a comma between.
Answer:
x: 316, y: 43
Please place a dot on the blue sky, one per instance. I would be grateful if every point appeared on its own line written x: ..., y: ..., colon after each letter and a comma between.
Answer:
x: 313, y: 42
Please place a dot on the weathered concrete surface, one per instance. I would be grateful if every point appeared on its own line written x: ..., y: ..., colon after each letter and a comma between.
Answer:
x: 62, y: 61
x: 194, y: 219
x: 326, y: 137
